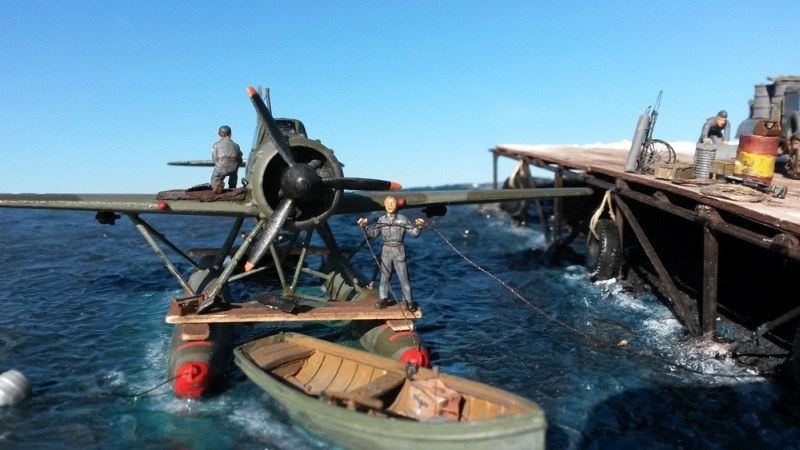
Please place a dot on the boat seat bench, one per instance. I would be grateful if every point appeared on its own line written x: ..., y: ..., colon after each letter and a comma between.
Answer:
x: 368, y: 394
x: 286, y: 352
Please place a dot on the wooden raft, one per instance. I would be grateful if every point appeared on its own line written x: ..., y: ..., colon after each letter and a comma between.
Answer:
x: 331, y: 311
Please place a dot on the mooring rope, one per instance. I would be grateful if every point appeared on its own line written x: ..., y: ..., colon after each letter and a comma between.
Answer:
x: 504, y: 284
x: 145, y: 392
x: 604, y: 204
x: 620, y: 345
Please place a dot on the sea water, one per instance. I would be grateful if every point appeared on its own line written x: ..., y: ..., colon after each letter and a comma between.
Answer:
x: 83, y: 318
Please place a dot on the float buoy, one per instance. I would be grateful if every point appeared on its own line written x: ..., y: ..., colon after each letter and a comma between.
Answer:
x: 14, y: 388
x: 403, y: 346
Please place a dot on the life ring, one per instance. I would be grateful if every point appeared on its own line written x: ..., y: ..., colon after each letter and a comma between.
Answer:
x: 604, y: 251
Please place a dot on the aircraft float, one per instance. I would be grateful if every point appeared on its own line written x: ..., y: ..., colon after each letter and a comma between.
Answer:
x: 292, y: 186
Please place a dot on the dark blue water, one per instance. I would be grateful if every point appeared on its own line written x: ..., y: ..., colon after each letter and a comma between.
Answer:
x: 83, y: 309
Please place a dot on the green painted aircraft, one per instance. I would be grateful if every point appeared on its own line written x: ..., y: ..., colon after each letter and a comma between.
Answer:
x: 292, y: 184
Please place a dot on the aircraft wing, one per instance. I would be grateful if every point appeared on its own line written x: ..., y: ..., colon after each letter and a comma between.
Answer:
x: 127, y: 203
x: 352, y: 201
x: 363, y: 201
x: 197, y: 163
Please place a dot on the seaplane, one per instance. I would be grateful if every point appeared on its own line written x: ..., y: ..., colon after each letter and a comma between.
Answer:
x: 291, y: 187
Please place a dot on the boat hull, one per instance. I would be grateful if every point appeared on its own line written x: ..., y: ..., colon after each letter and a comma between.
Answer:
x: 523, y: 429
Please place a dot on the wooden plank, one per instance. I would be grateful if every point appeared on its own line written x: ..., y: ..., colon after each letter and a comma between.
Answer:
x: 401, y: 325
x: 195, y: 332
x: 367, y: 395
x: 255, y: 312
x: 281, y: 354
x: 379, y: 386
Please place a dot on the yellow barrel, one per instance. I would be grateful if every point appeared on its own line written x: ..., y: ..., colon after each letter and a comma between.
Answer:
x: 755, y: 157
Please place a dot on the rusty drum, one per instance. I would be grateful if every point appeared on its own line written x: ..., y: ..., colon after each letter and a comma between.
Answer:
x: 755, y: 157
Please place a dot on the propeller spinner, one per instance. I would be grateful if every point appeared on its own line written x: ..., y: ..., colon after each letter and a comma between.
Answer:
x: 301, y: 187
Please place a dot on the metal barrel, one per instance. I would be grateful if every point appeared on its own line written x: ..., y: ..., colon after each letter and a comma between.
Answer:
x: 761, y: 103
x: 755, y: 157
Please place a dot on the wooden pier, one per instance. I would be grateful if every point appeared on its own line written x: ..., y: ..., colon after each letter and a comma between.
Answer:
x: 705, y: 254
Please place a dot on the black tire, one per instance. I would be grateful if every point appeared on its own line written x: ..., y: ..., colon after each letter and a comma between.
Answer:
x: 794, y: 360
x: 518, y: 210
x: 604, y: 253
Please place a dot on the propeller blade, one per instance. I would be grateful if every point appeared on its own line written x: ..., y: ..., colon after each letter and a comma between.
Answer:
x: 268, y: 235
x: 361, y: 184
x: 273, y: 132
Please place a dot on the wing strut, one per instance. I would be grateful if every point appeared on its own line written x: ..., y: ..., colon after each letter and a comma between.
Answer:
x: 326, y: 234
x: 148, y: 232
x: 226, y: 248
x: 211, y: 295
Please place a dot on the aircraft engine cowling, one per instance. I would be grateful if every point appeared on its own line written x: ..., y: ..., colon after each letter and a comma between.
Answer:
x: 267, y: 174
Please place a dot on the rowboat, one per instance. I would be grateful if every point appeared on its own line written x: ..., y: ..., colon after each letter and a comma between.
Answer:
x: 360, y: 400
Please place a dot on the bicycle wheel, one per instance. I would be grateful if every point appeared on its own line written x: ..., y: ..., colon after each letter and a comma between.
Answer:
x: 654, y: 151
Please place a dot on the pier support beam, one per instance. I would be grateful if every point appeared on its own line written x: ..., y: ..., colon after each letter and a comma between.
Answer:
x: 673, y: 293
x: 708, y: 312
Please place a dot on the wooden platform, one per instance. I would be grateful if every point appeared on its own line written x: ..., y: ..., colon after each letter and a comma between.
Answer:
x: 257, y: 312
x: 780, y: 213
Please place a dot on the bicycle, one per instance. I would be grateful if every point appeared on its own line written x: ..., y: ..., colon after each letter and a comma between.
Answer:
x: 653, y: 151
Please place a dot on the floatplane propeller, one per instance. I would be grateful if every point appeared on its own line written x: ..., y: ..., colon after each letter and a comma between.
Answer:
x: 308, y: 191
x: 304, y: 186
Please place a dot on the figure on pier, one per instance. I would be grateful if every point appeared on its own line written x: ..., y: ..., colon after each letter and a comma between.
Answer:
x: 716, y: 129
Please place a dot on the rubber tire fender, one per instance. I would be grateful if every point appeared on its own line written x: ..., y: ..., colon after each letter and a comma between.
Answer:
x: 794, y: 359
x: 604, y: 252
x: 517, y: 209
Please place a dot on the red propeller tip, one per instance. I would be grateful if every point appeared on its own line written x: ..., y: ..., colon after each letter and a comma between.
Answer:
x: 393, y: 186
x: 251, y: 91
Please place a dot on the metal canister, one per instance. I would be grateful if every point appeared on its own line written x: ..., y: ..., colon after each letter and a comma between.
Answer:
x: 704, y: 155
x: 755, y: 157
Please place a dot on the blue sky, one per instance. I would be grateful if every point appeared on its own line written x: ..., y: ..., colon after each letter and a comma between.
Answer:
x: 96, y: 96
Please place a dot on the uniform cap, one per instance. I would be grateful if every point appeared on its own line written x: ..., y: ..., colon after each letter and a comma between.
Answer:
x: 723, y: 114
x: 225, y: 130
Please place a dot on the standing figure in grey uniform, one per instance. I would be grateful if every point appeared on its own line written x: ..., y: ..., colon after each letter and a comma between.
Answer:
x: 227, y: 158
x: 392, y: 228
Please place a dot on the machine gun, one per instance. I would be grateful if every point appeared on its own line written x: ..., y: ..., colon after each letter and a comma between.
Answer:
x: 775, y: 191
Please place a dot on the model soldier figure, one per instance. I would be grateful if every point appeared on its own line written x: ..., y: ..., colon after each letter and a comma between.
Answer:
x: 392, y: 227
x: 227, y: 157
x: 716, y: 129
